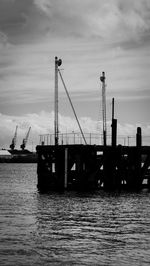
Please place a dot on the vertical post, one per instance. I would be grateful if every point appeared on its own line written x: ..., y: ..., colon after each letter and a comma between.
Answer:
x: 138, y: 158
x: 113, y: 109
x: 114, y: 126
x: 58, y: 63
x: 56, y: 102
x: 66, y: 168
x: 114, y: 132
x: 138, y: 137
x: 102, y: 78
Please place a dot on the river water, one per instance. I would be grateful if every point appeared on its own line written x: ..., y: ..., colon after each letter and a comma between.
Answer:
x: 70, y: 228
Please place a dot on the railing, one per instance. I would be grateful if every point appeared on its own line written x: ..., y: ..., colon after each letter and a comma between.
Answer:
x: 75, y: 138
x: 71, y: 138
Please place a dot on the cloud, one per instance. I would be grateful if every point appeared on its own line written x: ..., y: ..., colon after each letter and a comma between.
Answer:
x: 114, y: 21
x: 43, y: 123
x: 90, y: 36
x: 3, y: 40
x: 21, y: 22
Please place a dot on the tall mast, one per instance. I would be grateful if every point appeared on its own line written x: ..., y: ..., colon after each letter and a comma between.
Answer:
x: 58, y: 63
x: 102, y: 78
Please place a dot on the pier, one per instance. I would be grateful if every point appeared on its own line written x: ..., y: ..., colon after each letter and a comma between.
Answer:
x: 79, y: 161
x: 85, y: 167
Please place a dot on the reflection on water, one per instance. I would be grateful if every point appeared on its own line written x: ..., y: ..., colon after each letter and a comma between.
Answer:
x: 70, y: 228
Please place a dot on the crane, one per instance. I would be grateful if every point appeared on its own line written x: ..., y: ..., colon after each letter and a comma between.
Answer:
x: 24, y: 142
x: 13, y: 143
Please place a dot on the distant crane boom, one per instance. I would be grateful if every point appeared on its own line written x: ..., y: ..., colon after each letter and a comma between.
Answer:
x: 13, y: 143
x: 24, y: 142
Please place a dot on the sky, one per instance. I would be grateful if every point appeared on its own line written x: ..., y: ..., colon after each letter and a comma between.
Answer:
x: 90, y: 36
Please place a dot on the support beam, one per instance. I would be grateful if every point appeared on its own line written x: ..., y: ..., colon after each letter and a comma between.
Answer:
x: 66, y: 168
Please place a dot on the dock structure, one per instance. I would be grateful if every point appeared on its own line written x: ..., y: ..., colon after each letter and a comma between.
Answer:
x: 88, y: 166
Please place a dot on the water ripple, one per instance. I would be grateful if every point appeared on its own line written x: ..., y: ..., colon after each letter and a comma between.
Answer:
x: 70, y: 228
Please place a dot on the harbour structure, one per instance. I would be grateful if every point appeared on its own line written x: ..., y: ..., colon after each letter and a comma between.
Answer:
x: 14, y: 155
x: 86, y: 166
x: 17, y: 156
x: 14, y: 139
x: 24, y: 142
x: 5, y: 155
x: 22, y: 155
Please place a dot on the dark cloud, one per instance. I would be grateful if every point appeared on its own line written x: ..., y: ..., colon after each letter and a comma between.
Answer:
x: 126, y: 23
x: 20, y: 20
x: 116, y: 21
x: 12, y: 15
x: 90, y: 35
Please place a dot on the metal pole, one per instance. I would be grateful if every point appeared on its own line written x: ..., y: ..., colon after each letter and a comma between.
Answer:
x: 113, y: 109
x: 102, y: 78
x: 56, y: 102
x: 114, y: 127
x: 58, y: 63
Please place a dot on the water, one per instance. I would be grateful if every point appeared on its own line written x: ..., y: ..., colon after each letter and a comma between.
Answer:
x: 70, y: 228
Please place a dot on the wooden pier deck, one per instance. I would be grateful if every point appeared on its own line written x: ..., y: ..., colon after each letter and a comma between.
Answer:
x: 86, y: 167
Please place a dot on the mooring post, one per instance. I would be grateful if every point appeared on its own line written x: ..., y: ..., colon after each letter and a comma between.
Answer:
x: 139, y: 137
x: 138, y: 157
x: 66, y: 168
x: 114, y: 132
x: 114, y: 127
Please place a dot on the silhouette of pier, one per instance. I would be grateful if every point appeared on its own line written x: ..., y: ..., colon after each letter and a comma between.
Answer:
x: 88, y: 161
x: 85, y: 167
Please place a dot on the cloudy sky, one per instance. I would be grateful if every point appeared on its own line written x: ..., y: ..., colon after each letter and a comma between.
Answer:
x: 90, y: 36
